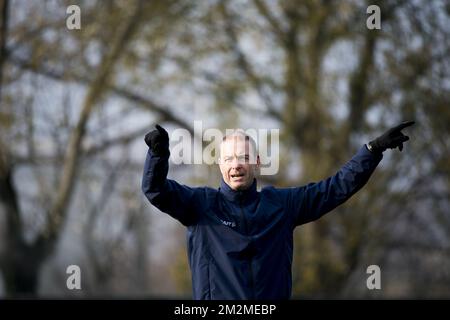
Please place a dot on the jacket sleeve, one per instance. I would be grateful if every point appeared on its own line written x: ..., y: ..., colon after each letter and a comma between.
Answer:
x: 167, y: 195
x: 310, y: 202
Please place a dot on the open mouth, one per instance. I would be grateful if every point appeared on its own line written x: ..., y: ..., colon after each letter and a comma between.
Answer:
x: 237, y: 175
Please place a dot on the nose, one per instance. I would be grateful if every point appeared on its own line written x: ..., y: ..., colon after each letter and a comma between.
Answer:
x: 235, y: 163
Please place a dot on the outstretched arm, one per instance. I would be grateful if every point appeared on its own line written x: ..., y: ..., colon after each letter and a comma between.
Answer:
x: 312, y: 201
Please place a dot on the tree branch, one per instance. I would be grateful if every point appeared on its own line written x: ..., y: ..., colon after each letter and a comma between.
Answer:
x: 243, y: 63
x: 66, y: 183
x: 265, y: 12
x: 141, y: 101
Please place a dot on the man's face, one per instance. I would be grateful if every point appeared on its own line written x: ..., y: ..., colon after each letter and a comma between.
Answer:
x: 238, y: 162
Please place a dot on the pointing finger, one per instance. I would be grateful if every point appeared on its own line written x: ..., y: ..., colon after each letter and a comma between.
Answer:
x: 403, y: 125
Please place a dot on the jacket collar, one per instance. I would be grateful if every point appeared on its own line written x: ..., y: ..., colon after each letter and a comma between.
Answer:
x: 242, y: 196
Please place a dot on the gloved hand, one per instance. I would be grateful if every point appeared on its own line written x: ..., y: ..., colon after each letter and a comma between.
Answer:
x: 158, y: 141
x: 391, y: 139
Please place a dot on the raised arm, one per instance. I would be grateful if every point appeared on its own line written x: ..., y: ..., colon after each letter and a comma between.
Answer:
x: 167, y: 195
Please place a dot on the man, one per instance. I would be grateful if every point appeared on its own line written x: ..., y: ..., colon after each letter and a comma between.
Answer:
x: 240, y: 240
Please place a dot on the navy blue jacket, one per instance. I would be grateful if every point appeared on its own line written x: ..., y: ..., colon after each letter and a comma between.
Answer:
x: 240, y: 242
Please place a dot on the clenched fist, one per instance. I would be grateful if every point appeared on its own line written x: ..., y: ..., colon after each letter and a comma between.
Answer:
x: 158, y: 141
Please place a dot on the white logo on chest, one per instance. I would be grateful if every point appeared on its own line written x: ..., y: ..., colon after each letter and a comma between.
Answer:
x: 229, y: 223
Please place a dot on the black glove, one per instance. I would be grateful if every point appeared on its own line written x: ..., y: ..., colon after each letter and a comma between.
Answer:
x: 158, y: 141
x: 391, y: 139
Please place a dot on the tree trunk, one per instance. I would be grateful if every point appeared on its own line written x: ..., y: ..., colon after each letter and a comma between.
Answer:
x: 21, y: 272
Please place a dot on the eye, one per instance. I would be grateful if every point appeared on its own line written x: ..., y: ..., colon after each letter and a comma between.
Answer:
x: 243, y: 158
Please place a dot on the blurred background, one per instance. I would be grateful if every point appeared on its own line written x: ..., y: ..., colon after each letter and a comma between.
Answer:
x: 76, y: 104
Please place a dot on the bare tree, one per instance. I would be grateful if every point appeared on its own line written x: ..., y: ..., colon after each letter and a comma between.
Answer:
x: 21, y: 261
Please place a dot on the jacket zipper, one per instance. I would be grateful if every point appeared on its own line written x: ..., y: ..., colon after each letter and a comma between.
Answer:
x: 252, y: 296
